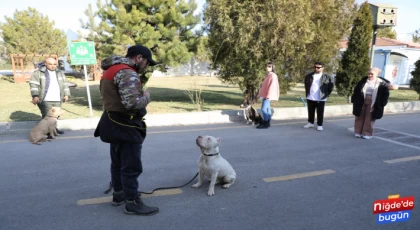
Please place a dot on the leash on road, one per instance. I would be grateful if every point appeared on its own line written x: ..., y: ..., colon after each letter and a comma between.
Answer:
x: 303, y: 100
x: 111, y: 187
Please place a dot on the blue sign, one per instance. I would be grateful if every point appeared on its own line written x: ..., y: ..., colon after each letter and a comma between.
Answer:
x: 390, y: 217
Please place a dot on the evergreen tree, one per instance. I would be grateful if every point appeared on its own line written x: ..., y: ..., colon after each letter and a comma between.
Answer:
x: 415, y: 81
x: 30, y: 32
x: 95, y: 32
x: 331, y: 20
x: 387, y: 32
x: 245, y: 35
x: 355, y: 62
x: 416, y: 36
x: 165, y: 26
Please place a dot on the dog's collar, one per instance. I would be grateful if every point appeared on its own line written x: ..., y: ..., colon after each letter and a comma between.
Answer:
x: 209, y: 155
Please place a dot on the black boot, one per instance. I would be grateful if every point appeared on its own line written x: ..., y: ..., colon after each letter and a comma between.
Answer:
x: 59, y: 131
x: 268, y: 122
x: 137, y: 207
x: 118, y: 198
x: 263, y: 125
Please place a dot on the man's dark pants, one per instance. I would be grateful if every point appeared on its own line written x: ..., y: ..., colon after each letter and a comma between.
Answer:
x: 46, y: 106
x: 319, y: 107
x: 126, y: 167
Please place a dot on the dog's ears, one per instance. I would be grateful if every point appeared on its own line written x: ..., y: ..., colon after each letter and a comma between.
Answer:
x: 218, y: 140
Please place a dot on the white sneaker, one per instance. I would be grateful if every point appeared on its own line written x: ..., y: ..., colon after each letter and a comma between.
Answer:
x: 319, y: 128
x: 367, y: 137
x: 309, y: 125
x: 357, y: 135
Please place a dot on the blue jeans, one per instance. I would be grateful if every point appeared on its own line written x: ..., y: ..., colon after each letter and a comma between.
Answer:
x: 266, y: 110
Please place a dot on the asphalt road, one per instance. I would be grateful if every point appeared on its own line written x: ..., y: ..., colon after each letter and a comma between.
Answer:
x: 287, y: 178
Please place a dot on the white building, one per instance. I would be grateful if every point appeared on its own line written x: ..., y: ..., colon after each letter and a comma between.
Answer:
x: 395, y: 58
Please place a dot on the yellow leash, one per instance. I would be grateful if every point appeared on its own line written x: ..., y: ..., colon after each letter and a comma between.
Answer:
x: 131, y: 126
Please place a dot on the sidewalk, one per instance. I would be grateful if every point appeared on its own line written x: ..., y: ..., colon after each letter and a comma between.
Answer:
x: 211, y: 117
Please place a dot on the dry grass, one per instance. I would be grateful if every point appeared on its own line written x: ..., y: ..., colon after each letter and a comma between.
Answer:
x: 168, y: 94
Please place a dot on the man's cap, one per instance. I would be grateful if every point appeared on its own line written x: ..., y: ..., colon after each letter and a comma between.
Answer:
x: 144, y: 51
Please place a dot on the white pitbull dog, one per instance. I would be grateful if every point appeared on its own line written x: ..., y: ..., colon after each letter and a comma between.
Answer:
x: 213, y: 165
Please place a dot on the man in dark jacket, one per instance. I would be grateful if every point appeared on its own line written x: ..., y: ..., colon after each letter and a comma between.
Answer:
x: 122, y: 124
x: 318, y: 87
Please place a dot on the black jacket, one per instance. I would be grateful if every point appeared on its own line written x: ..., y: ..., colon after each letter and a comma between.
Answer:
x: 326, y: 83
x: 358, y: 98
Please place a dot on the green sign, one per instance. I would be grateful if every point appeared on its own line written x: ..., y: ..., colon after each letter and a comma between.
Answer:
x: 82, y: 53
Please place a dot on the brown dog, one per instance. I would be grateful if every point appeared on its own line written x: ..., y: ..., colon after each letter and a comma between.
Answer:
x: 45, y: 126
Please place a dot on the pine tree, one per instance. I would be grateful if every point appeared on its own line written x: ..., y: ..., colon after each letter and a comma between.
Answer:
x: 95, y: 32
x: 165, y: 26
x: 30, y: 32
x: 332, y: 21
x: 416, y: 36
x: 245, y: 35
x: 355, y: 62
x: 415, y: 81
x: 387, y: 32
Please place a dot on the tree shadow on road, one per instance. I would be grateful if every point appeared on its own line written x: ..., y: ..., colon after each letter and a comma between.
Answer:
x: 24, y: 116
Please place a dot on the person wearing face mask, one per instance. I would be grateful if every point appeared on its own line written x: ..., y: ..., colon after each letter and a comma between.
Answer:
x: 122, y: 124
x: 369, y: 98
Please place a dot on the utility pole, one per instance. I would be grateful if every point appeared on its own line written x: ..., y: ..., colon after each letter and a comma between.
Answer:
x: 372, y: 49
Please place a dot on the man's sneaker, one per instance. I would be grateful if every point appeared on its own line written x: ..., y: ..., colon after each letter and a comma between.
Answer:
x: 357, y: 135
x: 137, y: 207
x: 118, y: 198
x: 367, y: 137
x: 319, y: 128
x: 309, y: 125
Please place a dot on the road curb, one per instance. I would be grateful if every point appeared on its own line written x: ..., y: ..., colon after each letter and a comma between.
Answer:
x: 210, y: 117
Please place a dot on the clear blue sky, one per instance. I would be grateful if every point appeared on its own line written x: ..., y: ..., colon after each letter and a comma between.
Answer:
x: 66, y: 14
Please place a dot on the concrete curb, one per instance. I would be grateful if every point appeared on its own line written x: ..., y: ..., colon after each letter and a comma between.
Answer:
x: 211, y: 117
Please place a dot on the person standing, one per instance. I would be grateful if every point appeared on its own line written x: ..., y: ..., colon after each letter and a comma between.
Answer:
x: 369, y: 98
x: 122, y: 124
x: 318, y: 87
x: 49, y: 88
x: 270, y: 91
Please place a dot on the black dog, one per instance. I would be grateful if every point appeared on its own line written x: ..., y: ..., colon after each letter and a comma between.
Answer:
x: 250, y: 113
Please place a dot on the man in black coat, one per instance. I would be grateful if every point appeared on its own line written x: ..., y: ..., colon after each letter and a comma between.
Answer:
x: 318, y: 87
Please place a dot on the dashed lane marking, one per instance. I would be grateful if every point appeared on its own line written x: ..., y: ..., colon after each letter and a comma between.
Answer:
x: 404, y: 159
x: 108, y: 199
x: 298, y: 176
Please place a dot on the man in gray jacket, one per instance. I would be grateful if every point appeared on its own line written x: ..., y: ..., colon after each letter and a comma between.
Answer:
x: 48, y: 87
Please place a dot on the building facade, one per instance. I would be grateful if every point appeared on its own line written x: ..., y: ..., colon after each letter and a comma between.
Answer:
x: 395, y: 58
